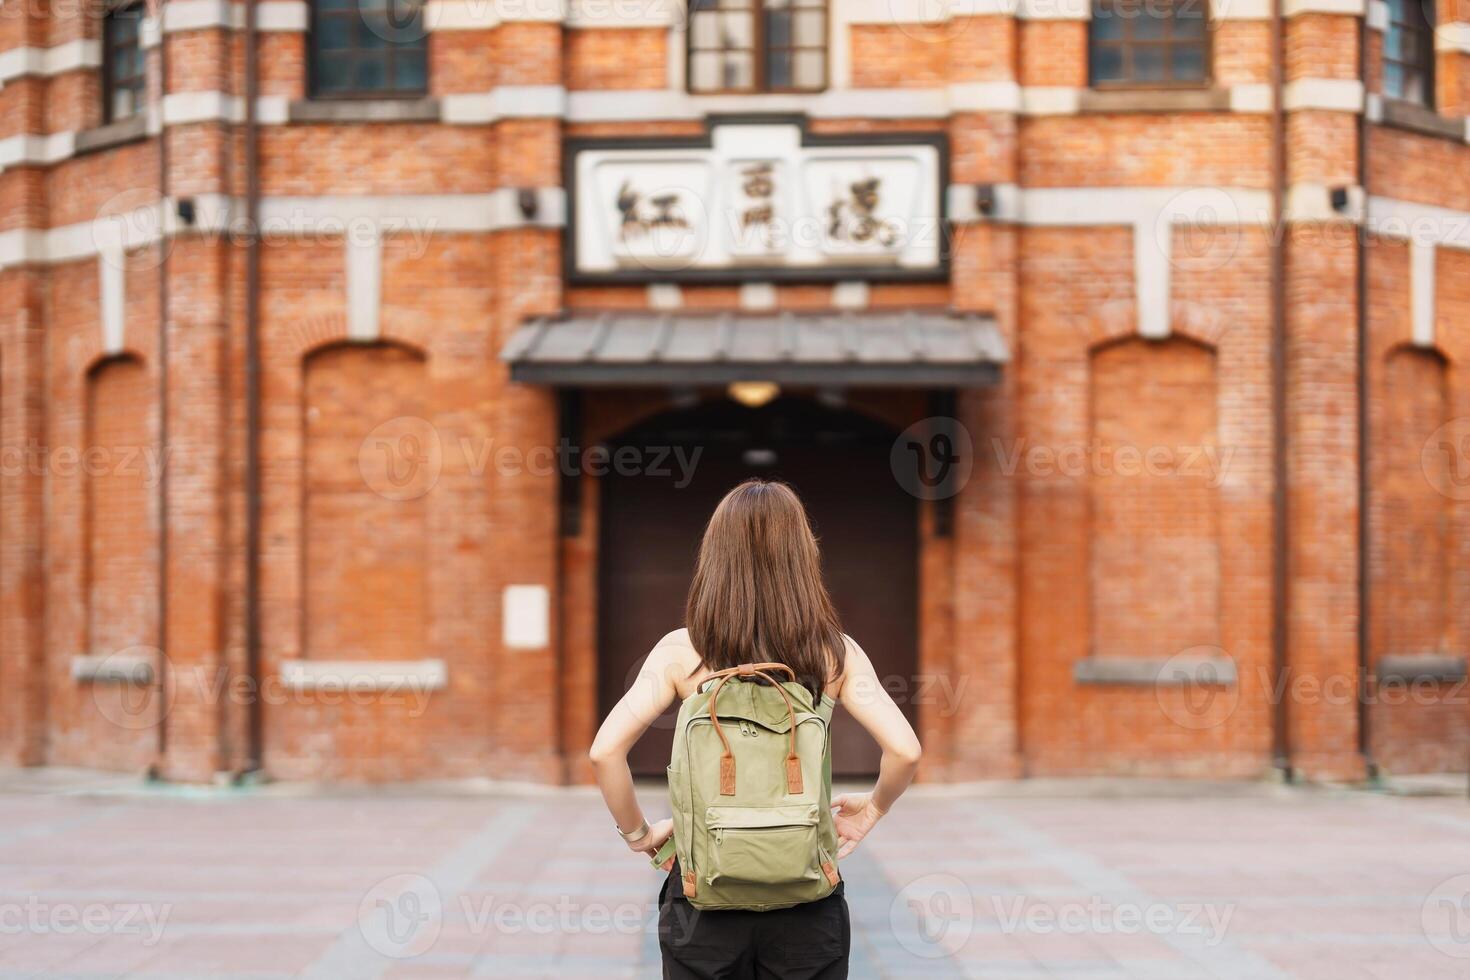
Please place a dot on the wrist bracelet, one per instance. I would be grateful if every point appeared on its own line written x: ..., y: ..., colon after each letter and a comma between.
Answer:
x: 636, y: 834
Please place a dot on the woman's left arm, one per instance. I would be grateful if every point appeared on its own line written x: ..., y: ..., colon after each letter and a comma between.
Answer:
x: 652, y: 691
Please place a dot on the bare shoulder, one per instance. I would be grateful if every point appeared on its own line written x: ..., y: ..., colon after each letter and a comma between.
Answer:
x: 854, y: 664
x: 676, y: 643
x: 678, y: 658
x: 854, y: 657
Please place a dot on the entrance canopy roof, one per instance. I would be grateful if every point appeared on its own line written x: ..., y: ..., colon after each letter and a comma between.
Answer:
x: 892, y: 349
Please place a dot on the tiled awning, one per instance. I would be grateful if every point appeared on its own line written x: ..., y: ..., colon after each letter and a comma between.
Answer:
x: 909, y: 349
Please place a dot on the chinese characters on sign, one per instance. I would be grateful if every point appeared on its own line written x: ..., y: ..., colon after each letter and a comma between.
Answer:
x: 754, y: 199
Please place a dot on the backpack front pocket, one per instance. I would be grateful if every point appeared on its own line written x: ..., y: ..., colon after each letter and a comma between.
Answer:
x: 763, y: 845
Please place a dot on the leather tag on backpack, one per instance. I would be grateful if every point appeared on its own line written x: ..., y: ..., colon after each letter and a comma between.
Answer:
x: 830, y: 870
x: 727, y: 775
x: 793, y: 774
x: 690, y: 890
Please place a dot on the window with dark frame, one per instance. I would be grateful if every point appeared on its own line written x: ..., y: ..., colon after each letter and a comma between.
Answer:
x: 368, y: 49
x: 1149, y: 43
x: 124, y: 74
x: 757, y: 45
x: 1408, y: 51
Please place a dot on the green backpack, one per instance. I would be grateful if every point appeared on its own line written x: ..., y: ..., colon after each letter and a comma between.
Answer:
x: 750, y: 785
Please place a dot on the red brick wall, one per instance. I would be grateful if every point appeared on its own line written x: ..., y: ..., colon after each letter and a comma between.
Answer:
x: 1042, y: 569
x: 1154, y: 540
x: 365, y: 518
x: 1417, y: 527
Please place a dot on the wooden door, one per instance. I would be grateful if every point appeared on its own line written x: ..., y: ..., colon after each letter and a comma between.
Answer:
x: 868, y: 527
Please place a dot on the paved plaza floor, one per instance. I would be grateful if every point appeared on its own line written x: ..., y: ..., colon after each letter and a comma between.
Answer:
x: 101, y: 877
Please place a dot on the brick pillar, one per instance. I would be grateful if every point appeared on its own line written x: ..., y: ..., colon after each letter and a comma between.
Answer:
x: 982, y: 734
x: 524, y: 548
x: 197, y: 318
x: 1452, y: 65
x: 22, y: 431
x: 1321, y: 677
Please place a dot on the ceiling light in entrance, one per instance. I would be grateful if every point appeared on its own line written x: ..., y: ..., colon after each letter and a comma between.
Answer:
x: 753, y: 394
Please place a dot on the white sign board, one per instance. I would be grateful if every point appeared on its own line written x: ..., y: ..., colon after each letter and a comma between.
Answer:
x: 526, y: 617
x: 757, y: 198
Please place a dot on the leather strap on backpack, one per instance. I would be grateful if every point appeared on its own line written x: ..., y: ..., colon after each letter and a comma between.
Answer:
x: 727, y: 758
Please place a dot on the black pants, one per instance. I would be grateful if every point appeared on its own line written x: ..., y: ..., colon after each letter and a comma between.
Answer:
x: 804, y: 942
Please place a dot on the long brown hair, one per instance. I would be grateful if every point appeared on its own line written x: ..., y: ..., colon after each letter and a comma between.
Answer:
x: 758, y: 593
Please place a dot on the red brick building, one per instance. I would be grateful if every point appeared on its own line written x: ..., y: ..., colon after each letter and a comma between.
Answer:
x: 321, y: 329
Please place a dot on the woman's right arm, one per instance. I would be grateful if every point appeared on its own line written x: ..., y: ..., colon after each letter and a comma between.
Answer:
x: 864, y: 696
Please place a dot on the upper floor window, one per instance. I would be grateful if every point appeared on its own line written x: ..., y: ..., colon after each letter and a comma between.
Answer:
x: 1408, y: 51
x: 368, y: 49
x: 1149, y: 43
x: 124, y: 81
x: 757, y: 45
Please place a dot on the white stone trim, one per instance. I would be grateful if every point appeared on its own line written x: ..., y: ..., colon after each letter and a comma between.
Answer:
x: 202, y: 15
x: 1373, y: 107
x: 1345, y: 8
x: 483, y: 15
x: 757, y: 297
x: 272, y: 16
x: 526, y: 617
x: 282, y: 16
x: 1454, y: 36
x: 1377, y: 17
x: 505, y: 102
x: 1054, y: 10
x: 1152, y: 253
x: 363, y: 262
x: 273, y: 110
x: 1415, y: 222
x: 185, y: 108
x: 365, y: 675
x: 1240, y: 10
x: 1329, y: 94
x: 29, y: 148
x: 500, y: 209
x: 1421, y: 292
x: 1049, y: 100
x: 850, y: 295
x: 1250, y: 97
x: 70, y: 56
x: 643, y: 105
x: 665, y: 296
x: 112, y: 297
x: 624, y: 14
x: 984, y: 97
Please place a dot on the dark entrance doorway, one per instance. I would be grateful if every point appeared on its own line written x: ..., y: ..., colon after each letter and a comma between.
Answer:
x: 837, y: 460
